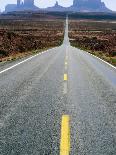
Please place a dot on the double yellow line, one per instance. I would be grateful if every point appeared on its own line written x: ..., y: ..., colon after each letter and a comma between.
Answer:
x: 65, y: 135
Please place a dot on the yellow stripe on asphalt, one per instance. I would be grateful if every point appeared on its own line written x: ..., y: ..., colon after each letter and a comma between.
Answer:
x: 65, y: 77
x: 65, y: 136
x: 66, y: 63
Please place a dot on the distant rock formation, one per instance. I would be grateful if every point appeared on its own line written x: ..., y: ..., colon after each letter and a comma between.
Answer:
x: 78, y: 6
x: 56, y: 7
x: 82, y: 6
x: 89, y: 6
x: 21, y: 6
x: 10, y: 7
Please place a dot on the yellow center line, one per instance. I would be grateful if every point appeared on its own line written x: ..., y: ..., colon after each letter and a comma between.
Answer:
x: 65, y: 136
x: 65, y: 77
x: 66, y: 63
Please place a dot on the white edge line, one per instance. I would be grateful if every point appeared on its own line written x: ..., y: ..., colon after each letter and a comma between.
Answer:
x: 18, y: 64
x: 22, y: 61
x: 103, y: 61
x: 98, y: 58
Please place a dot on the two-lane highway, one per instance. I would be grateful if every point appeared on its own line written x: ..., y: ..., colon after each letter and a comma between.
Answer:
x: 62, y: 101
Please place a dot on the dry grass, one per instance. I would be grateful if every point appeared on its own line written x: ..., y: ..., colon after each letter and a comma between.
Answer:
x: 19, y: 38
x: 98, y: 38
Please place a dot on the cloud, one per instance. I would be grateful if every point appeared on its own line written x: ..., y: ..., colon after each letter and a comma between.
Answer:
x: 111, y: 4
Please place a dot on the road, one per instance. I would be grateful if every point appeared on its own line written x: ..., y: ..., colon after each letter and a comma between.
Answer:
x: 36, y: 93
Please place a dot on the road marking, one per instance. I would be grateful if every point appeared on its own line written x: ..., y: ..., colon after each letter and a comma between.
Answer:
x: 18, y: 64
x: 99, y: 59
x: 9, y: 68
x: 103, y: 60
x: 65, y: 136
x: 65, y: 77
x: 65, y: 89
x: 66, y: 66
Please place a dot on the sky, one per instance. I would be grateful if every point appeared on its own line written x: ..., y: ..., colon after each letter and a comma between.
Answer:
x: 111, y: 4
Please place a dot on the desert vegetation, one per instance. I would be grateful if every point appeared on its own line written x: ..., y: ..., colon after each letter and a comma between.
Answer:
x: 20, y: 37
x: 96, y: 37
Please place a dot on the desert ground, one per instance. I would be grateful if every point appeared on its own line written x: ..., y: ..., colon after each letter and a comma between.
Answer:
x: 22, y: 37
x: 96, y: 37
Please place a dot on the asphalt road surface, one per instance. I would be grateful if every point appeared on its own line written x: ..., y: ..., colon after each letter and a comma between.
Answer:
x: 36, y: 93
